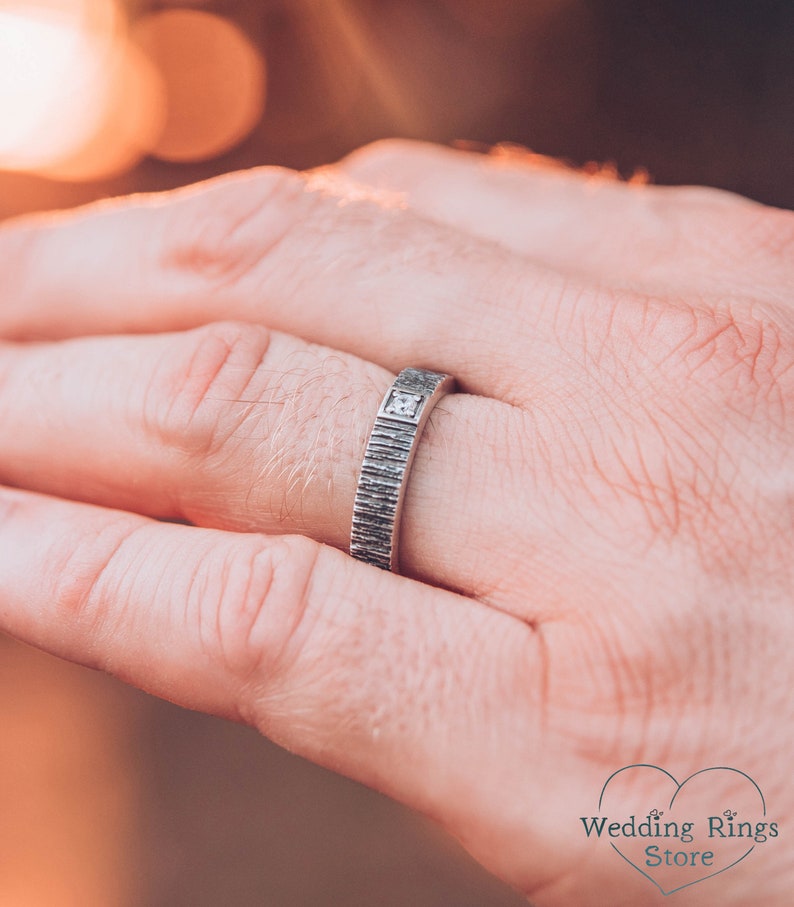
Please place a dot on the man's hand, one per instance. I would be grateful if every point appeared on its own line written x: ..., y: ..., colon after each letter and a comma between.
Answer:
x: 598, y: 535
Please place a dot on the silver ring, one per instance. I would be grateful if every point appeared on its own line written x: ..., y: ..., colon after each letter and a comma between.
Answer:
x: 387, y: 462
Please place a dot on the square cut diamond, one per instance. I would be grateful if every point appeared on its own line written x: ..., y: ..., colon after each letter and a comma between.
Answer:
x: 403, y: 404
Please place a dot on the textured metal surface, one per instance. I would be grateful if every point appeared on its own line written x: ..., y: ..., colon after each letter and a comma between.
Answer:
x: 390, y: 450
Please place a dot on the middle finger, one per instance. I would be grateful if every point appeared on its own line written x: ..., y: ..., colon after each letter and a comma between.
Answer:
x: 330, y: 264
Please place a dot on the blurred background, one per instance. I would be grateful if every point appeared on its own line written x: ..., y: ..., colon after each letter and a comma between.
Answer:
x: 107, y: 796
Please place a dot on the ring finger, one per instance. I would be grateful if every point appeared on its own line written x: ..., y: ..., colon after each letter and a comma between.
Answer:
x: 236, y: 427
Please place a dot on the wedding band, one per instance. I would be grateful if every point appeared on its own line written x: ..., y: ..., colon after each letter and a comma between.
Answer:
x: 387, y: 463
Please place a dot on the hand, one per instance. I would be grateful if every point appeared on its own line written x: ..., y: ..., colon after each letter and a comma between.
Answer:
x: 597, y: 537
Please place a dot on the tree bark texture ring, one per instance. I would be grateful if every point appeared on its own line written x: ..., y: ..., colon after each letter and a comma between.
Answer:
x: 387, y: 463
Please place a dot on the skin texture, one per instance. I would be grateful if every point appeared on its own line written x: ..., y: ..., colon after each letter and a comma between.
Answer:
x: 597, y: 537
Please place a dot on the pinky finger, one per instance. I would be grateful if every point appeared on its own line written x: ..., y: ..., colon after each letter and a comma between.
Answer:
x: 366, y: 672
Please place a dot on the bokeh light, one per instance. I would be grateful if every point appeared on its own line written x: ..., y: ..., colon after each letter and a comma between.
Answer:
x: 76, y: 100
x: 132, y: 102
x: 85, y: 97
x: 214, y: 80
x: 51, y: 62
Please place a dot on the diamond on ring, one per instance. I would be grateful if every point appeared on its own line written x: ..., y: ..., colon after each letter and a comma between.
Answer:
x: 402, y: 404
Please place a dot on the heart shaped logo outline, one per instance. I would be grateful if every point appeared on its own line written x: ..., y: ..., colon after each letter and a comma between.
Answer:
x: 713, y: 768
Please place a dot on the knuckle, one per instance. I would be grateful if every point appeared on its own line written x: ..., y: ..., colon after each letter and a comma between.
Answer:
x: 278, y: 418
x: 711, y: 396
x: 194, y: 400
x: 741, y: 352
x: 87, y: 573
x: 727, y: 421
x: 382, y: 153
x: 769, y: 231
x: 259, y: 615
x: 220, y: 235
x: 728, y: 230
x: 702, y: 197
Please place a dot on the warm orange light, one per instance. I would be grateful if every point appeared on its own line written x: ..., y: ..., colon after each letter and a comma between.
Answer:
x: 75, y: 101
x: 69, y: 790
x: 133, y: 104
x: 214, y: 82
x: 47, y: 64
